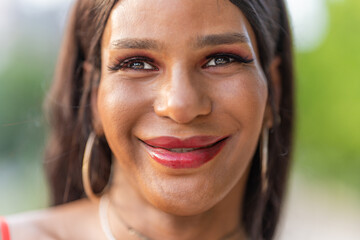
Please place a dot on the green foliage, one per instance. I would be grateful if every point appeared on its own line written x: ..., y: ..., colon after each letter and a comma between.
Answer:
x: 21, y: 121
x: 328, y: 101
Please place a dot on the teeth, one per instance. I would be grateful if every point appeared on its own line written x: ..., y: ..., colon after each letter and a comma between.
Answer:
x: 182, y: 150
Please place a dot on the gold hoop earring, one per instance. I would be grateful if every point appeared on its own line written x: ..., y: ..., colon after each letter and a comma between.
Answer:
x: 264, y: 159
x: 86, y: 166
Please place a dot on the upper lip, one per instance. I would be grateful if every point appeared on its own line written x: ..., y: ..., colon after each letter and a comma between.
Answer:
x: 168, y: 142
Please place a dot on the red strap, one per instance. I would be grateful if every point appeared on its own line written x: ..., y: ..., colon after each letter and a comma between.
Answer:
x: 4, y: 229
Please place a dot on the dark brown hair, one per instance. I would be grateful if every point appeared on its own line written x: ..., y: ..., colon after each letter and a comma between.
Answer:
x: 78, y: 73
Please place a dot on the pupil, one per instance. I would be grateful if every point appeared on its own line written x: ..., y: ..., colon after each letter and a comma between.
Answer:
x: 137, y: 65
x: 221, y: 60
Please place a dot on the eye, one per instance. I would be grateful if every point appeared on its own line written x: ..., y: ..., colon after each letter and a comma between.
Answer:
x: 219, y: 61
x: 134, y: 63
x: 138, y: 65
x: 224, y: 59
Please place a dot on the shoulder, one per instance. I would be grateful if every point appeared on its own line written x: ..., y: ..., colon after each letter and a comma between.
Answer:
x: 61, y: 222
x: 28, y: 226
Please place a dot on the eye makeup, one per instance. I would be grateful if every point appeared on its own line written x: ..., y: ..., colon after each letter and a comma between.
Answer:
x: 221, y: 59
x: 137, y: 63
x: 146, y: 64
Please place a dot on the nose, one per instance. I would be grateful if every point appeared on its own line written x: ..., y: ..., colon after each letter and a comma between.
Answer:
x: 182, y: 98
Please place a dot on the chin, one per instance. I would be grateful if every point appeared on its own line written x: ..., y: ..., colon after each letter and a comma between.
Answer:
x: 186, y: 195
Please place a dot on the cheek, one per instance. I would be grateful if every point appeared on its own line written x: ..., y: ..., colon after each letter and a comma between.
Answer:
x: 120, y: 106
x: 242, y: 102
x: 243, y: 98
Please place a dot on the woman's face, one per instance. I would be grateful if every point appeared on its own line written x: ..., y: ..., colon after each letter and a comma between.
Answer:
x: 181, y: 100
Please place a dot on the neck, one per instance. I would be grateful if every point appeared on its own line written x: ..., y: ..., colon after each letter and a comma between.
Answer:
x: 128, y: 207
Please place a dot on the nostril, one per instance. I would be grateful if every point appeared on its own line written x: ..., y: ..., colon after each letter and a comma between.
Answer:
x: 182, y: 98
x: 183, y: 112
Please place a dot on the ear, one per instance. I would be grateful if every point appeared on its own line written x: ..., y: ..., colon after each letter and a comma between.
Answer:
x: 95, y: 117
x: 275, y: 78
x: 96, y: 121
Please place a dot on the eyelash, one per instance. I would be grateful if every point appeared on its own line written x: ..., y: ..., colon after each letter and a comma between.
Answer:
x: 234, y: 57
x: 124, y: 63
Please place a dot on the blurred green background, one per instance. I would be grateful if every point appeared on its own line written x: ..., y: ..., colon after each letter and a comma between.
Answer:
x: 327, y: 93
x: 328, y: 101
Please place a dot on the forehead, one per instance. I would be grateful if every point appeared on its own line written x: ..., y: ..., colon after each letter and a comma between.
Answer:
x: 174, y: 20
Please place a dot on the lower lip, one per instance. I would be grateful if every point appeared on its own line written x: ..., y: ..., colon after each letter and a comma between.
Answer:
x: 192, y: 159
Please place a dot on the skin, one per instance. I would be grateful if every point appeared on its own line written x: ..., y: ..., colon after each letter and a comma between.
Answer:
x: 185, y: 90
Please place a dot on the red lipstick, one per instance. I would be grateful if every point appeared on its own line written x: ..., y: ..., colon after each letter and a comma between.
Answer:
x: 188, y: 153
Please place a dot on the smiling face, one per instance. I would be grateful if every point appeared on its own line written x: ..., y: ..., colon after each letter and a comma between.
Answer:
x: 177, y: 76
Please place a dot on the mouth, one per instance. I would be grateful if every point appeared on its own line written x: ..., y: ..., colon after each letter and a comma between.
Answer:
x: 189, y: 153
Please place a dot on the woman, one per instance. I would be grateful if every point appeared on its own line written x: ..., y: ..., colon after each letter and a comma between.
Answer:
x: 160, y: 113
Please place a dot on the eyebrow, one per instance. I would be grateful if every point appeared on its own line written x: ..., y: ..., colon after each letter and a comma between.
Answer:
x: 200, y: 42
x: 219, y: 39
x: 135, y: 43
